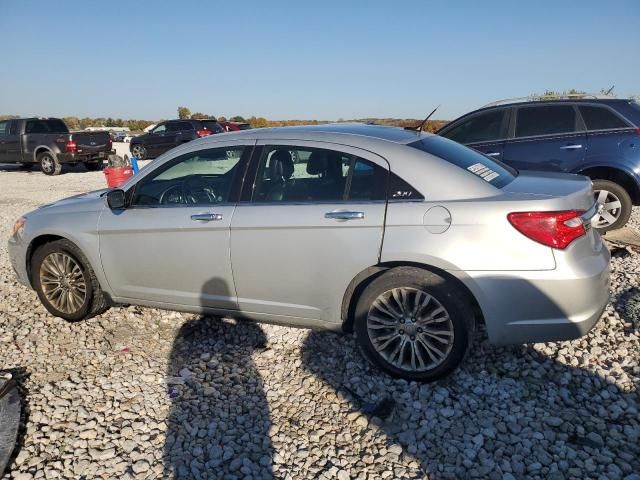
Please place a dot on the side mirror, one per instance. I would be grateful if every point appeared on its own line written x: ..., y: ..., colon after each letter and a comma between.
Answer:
x: 116, y: 199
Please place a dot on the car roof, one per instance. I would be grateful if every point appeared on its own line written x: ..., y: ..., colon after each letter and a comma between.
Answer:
x: 356, y: 132
x: 612, y: 102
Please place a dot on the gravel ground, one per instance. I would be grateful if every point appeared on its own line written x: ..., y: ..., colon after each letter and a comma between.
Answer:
x: 144, y: 393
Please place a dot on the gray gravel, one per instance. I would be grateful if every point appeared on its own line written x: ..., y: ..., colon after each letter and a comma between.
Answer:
x: 143, y: 393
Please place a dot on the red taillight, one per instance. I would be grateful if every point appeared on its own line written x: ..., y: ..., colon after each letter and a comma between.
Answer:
x: 203, y: 133
x: 71, y: 146
x: 553, y: 229
x: 638, y: 131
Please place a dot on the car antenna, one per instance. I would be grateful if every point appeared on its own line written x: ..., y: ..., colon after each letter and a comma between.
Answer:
x: 418, y: 128
x: 610, y: 90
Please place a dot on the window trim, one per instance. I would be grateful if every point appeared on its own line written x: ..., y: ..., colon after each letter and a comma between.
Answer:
x: 234, y: 191
x: 577, y: 122
x: 504, y: 127
x: 266, y: 145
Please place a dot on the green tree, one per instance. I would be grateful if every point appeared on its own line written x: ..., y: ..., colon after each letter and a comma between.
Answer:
x: 72, y: 122
x: 183, y: 112
x: 238, y: 118
x: 259, y: 122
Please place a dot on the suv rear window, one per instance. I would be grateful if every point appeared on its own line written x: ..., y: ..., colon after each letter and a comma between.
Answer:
x: 600, y: 118
x: 213, y: 125
x: 545, y: 120
x: 496, y: 173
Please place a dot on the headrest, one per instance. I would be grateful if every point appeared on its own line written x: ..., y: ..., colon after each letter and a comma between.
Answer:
x: 280, y: 165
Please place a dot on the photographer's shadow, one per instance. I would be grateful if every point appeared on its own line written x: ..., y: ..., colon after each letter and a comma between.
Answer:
x: 226, y: 435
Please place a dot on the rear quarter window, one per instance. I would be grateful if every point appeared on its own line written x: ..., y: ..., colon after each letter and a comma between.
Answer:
x: 496, y: 173
x: 600, y: 118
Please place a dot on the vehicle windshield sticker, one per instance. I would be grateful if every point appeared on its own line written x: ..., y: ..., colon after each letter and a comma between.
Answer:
x: 483, y: 172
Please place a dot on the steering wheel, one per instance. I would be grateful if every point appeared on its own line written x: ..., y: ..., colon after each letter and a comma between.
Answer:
x: 196, y: 190
x: 172, y: 195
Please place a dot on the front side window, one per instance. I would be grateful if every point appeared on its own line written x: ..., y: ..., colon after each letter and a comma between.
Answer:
x: 297, y: 174
x: 484, y: 127
x: 4, y: 127
x: 545, y: 120
x: 204, y: 177
x: 600, y: 118
x: 160, y: 129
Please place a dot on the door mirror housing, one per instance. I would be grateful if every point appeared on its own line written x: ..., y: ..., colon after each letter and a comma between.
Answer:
x: 116, y: 199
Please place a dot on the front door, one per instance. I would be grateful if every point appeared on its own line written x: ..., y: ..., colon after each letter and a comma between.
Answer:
x: 313, y: 221
x: 546, y: 138
x: 171, y: 245
x: 155, y: 141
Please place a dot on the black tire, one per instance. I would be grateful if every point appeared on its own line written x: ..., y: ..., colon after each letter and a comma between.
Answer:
x: 450, y: 296
x: 622, y: 215
x: 94, y: 302
x: 94, y: 166
x: 139, y: 151
x: 49, y: 163
x: 25, y: 166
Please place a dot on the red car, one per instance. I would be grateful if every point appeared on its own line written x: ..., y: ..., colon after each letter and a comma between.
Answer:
x: 234, y: 126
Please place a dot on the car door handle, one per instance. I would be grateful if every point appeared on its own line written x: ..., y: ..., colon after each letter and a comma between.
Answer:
x: 344, y: 215
x: 493, y: 154
x: 206, y: 217
x: 571, y: 147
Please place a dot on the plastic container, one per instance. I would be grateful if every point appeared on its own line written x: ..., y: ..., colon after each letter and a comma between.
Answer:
x: 117, y: 176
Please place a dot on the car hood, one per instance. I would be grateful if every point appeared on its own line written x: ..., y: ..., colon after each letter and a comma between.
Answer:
x: 77, y: 202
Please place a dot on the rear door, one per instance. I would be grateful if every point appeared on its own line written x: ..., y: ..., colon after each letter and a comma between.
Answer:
x: 182, y: 132
x: 484, y: 131
x: 310, y: 222
x: 12, y: 146
x: 547, y: 138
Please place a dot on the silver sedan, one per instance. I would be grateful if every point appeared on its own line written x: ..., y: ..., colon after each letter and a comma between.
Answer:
x: 408, y: 239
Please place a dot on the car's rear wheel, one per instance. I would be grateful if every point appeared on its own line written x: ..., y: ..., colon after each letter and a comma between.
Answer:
x: 49, y: 164
x: 65, y: 282
x: 414, y: 324
x: 93, y: 166
x: 616, y: 204
x: 139, y: 151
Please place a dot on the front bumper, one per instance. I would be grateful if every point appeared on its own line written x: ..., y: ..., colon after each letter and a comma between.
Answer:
x: 542, y: 306
x: 18, y: 257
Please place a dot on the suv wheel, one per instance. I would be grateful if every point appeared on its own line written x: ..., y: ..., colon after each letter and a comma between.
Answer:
x: 617, y: 205
x: 414, y: 324
x: 49, y: 164
x: 65, y: 282
x: 139, y: 151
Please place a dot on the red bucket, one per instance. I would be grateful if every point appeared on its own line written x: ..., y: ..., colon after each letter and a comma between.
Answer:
x: 117, y: 176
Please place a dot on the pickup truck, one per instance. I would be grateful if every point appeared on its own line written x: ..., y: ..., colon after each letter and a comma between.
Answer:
x: 48, y: 142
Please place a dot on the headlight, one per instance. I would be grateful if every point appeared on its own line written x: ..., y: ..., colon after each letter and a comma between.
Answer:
x: 18, y: 226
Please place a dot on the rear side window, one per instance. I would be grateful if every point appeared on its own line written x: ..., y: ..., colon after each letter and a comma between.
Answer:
x: 213, y: 126
x: 46, y: 126
x: 600, y: 118
x: 484, y: 127
x: 545, y: 120
x: 496, y: 173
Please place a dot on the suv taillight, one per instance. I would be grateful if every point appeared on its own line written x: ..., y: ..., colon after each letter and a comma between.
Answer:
x: 203, y: 133
x: 71, y: 146
x: 553, y: 229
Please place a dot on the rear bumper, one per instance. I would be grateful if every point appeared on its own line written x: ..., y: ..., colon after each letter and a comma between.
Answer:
x: 83, y: 156
x: 543, y: 306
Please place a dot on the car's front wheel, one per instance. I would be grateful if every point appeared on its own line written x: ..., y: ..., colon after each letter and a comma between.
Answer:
x: 139, y: 151
x: 414, y: 324
x: 65, y: 282
x: 616, y: 205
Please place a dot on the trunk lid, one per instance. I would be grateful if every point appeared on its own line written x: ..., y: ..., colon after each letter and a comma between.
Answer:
x: 92, y: 142
x: 567, y: 191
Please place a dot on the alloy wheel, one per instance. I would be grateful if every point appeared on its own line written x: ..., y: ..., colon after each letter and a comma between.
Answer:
x: 410, y: 329
x: 63, y: 282
x: 47, y: 163
x: 138, y: 151
x: 611, y: 211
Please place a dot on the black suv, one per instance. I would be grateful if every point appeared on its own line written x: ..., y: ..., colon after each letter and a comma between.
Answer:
x: 596, y: 137
x: 169, y: 134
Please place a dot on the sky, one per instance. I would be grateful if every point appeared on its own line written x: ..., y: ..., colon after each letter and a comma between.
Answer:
x: 323, y: 60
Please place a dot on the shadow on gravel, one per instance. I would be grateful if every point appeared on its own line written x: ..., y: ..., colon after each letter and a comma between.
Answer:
x: 506, y: 410
x: 13, y: 167
x: 227, y: 434
x: 14, y: 408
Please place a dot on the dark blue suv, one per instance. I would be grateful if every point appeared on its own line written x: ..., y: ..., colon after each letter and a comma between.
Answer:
x: 599, y: 138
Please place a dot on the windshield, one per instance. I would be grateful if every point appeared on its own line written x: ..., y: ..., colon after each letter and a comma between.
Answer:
x: 492, y: 171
